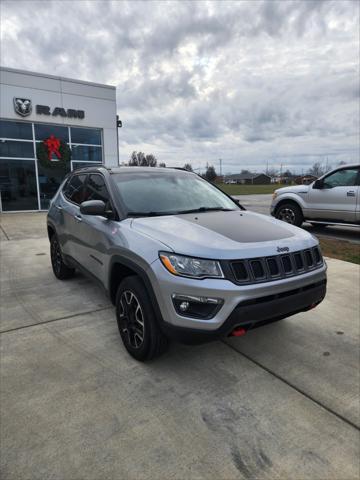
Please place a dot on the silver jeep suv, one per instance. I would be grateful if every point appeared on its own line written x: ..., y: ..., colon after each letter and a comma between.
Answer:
x: 179, y: 258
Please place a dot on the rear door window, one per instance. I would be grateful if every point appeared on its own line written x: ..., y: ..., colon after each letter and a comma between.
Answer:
x: 74, y: 189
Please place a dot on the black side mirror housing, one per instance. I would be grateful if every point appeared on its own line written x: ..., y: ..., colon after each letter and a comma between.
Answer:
x: 318, y: 184
x: 93, y: 207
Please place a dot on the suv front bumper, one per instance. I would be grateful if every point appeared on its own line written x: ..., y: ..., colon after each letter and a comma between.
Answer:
x: 247, y: 305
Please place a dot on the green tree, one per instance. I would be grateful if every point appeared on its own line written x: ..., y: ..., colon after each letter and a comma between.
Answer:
x: 210, y: 173
x: 188, y: 167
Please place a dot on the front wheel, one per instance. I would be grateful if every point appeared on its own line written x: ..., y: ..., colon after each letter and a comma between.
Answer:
x: 290, y: 213
x: 136, y: 321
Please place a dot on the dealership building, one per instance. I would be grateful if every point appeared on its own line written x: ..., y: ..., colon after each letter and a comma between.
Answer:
x: 50, y: 126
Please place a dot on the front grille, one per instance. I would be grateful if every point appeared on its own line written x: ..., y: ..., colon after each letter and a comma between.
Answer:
x: 273, y: 268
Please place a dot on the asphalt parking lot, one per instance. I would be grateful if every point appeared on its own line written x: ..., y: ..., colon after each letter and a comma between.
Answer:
x: 280, y: 403
x: 261, y: 204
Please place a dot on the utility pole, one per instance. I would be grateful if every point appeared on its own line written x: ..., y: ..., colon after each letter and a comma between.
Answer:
x: 220, y: 161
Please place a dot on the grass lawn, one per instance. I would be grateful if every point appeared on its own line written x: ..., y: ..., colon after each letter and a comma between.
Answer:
x: 341, y: 249
x: 248, y: 189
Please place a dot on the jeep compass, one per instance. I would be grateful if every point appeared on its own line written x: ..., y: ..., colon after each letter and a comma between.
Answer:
x: 179, y: 258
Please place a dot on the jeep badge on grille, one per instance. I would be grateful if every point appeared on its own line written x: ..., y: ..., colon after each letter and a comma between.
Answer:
x: 282, y: 249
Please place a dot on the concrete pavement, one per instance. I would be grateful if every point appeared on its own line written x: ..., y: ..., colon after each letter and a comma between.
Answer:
x: 281, y: 402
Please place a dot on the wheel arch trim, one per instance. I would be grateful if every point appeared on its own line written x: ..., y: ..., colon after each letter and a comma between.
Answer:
x: 290, y: 198
x: 144, y: 277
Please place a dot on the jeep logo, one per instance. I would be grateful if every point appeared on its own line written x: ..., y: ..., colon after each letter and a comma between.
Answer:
x: 282, y: 249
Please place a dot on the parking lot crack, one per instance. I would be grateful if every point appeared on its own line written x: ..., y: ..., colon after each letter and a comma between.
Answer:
x: 4, y: 232
x: 294, y: 387
x: 66, y: 317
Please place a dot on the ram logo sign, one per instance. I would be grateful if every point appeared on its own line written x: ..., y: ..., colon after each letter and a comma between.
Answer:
x: 22, y: 106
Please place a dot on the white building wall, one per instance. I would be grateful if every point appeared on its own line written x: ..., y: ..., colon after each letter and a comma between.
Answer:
x: 97, y: 101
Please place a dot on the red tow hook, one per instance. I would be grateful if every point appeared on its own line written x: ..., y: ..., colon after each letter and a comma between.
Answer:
x: 238, y: 332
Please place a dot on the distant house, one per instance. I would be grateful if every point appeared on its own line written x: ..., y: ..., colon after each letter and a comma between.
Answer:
x: 249, y: 178
x: 305, y: 180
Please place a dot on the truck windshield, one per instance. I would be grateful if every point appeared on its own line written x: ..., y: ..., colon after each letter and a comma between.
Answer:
x: 170, y: 193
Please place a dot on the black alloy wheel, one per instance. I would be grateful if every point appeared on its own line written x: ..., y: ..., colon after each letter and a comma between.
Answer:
x: 137, y: 322
x: 61, y: 271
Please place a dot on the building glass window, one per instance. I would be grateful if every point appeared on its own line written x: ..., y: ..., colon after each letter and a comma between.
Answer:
x: 88, y: 136
x: 43, y: 131
x: 50, y: 179
x: 77, y: 165
x: 13, y: 148
x: 18, y: 185
x: 24, y: 184
x: 86, y: 153
x: 19, y: 130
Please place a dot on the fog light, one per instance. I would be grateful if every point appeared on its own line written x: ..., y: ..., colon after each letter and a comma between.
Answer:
x: 196, y: 307
x: 184, y: 306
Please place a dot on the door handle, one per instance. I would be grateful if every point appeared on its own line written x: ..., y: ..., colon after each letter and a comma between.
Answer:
x: 59, y: 208
x: 350, y: 193
x: 78, y: 218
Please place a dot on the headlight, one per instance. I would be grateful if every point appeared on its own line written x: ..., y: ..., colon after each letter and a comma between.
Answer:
x: 274, y: 195
x: 190, y: 267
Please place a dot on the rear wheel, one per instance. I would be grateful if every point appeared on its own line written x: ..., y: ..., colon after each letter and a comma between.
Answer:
x: 61, y: 271
x: 290, y: 213
x: 136, y: 321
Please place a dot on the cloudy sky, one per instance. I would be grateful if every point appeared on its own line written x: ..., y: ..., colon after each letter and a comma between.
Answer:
x: 250, y: 82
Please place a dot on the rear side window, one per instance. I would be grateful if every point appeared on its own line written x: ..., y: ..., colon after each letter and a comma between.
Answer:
x: 74, y: 189
x: 96, y: 189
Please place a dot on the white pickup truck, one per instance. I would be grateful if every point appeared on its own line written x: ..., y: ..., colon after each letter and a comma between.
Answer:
x: 332, y: 199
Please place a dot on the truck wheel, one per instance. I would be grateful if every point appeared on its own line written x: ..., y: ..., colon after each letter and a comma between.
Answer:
x: 61, y: 271
x: 136, y: 321
x: 290, y: 213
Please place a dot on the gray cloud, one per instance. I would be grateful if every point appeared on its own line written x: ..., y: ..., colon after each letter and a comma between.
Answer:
x: 246, y: 81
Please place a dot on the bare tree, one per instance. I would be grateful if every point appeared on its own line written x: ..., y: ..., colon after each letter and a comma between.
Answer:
x: 188, y: 167
x: 316, y: 170
x: 162, y: 165
x: 139, y: 159
x: 272, y: 172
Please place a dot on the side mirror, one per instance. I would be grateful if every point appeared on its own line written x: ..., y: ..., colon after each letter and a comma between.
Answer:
x: 318, y: 184
x: 93, y: 207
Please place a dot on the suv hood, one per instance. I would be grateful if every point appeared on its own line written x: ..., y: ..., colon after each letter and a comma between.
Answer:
x: 224, y: 235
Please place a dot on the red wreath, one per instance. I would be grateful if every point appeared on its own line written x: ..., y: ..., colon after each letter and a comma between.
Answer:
x: 53, y: 146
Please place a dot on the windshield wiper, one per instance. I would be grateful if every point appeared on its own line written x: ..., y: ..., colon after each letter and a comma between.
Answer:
x: 207, y: 209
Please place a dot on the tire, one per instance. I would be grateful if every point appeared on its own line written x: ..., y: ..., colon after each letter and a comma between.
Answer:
x: 61, y: 271
x: 136, y: 321
x: 290, y: 213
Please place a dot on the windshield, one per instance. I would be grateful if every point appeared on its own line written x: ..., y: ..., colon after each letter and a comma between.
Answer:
x: 168, y: 193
